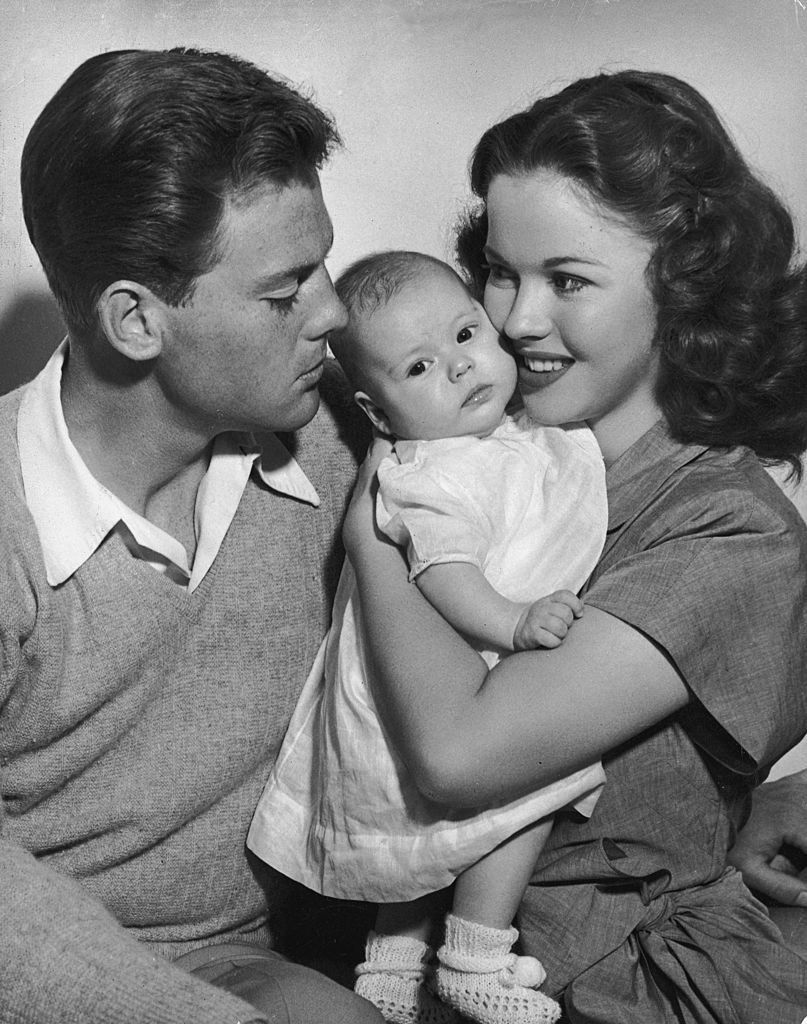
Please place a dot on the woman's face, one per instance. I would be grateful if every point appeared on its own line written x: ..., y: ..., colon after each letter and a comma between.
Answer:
x: 567, y: 287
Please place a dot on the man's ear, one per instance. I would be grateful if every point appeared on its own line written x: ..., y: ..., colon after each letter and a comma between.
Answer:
x: 131, y: 316
x: 374, y: 413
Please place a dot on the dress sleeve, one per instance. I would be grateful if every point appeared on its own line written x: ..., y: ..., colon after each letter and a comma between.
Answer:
x: 715, y: 574
x: 431, y: 514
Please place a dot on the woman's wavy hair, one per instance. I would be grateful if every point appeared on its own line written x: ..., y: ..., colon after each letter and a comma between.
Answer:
x: 128, y: 170
x: 732, y: 303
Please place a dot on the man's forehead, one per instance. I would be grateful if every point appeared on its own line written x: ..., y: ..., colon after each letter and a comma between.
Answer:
x: 278, y: 230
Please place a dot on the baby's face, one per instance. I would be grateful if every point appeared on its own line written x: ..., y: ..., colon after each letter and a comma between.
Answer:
x: 437, y: 365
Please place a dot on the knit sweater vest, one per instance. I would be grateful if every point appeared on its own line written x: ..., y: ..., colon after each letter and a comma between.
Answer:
x: 138, y: 724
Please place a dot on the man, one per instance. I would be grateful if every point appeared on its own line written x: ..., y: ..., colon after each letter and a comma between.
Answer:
x: 771, y: 853
x: 167, y: 560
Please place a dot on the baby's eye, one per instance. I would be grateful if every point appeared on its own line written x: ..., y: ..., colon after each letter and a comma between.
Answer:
x: 418, y: 368
x: 465, y: 334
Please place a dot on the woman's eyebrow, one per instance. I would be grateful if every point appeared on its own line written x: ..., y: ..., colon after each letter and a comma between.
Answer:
x: 556, y: 261
x: 549, y: 264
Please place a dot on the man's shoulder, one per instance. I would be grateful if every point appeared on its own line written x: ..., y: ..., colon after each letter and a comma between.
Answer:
x: 9, y: 453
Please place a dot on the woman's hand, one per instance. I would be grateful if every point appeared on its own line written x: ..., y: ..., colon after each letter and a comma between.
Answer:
x: 360, y: 522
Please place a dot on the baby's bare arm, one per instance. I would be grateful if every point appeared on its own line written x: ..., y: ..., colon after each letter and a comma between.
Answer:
x: 464, y: 597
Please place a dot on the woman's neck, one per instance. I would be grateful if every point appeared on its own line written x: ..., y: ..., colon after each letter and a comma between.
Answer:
x: 618, y: 431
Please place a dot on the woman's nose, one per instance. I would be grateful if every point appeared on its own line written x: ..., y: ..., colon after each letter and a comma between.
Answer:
x: 528, y: 317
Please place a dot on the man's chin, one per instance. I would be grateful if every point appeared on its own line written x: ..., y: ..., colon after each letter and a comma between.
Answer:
x: 305, y: 411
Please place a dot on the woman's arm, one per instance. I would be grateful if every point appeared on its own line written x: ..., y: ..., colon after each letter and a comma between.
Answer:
x: 468, y: 736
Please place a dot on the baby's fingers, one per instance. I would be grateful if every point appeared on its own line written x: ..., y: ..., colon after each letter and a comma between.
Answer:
x: 555, y: 622
x: 569, y: 600
x: 545, y: 638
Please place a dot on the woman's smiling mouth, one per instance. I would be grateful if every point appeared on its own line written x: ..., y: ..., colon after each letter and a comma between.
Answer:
x: 545, y: 365
x: 536, y: 372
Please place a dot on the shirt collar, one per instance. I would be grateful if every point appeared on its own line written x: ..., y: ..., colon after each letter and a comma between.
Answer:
x: 74, y: 512
x: 640, y: 471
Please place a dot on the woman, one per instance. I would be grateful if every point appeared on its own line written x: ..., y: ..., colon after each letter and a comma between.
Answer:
x: 643, y: 277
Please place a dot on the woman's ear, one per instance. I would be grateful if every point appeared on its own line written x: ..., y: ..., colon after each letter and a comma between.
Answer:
x: 375, y: 414
x: 131, y: 318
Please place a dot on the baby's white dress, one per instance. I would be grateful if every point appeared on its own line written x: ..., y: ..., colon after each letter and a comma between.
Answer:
x: 339, y: 812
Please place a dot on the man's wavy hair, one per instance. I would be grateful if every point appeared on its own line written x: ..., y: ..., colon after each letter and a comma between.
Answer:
x: 128, y: 170
x: 732, y: 304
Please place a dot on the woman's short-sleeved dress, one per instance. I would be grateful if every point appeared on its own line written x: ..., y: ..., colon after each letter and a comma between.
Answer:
x: 339, y: 813
x: 633, y: 911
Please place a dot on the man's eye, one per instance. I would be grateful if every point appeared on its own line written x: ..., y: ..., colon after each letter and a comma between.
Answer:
x: 284, y: 299
x: 465, y: 334
x: 418, y: 368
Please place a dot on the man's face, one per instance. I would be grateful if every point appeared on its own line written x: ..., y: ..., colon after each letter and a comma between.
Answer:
x: 246, y: 351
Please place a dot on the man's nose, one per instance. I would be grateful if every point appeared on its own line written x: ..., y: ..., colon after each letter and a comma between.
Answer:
x: 330, y: 314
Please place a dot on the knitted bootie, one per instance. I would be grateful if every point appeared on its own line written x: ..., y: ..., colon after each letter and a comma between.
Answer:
x: 393, y: 979
x: 480, y: 977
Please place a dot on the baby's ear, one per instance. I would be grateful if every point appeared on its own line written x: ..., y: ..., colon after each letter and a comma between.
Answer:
x: 374, y: 413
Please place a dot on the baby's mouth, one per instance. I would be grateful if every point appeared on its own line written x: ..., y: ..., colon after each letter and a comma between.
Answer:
x: 479, y: 394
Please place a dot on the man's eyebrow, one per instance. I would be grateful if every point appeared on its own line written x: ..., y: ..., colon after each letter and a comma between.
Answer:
x: 299, y: 270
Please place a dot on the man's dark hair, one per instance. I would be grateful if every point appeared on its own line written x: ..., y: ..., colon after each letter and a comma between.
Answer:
x: 128, y: 170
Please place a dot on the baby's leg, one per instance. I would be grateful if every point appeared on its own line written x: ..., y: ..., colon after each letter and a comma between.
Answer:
x: 415, y: 919
x: 489, y: 892
x: 397, y: 963
x: 478, y: 974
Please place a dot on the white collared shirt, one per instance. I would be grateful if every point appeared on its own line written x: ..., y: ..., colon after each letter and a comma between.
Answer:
x: 74, y: 512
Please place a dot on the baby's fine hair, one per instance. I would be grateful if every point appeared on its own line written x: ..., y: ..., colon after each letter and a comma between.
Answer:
x: 731, y: 330
x: 369, y: 284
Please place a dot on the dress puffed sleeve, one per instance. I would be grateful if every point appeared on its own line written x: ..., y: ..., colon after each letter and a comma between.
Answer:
x: 425, y: 506
x: 710, y: 562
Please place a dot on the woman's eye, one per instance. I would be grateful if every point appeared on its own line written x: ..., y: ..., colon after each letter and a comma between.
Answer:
x: 417, y: 368
x: 465, y: 334
x: 566, y: 284
x: 497, y: 275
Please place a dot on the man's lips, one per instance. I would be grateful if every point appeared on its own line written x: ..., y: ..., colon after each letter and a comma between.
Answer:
x: 313, y: 374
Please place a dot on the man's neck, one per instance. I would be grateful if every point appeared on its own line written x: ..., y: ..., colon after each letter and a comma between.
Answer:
x: 133, y: 446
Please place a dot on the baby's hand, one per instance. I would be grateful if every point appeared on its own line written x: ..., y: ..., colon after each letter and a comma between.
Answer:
x: 547, y: 621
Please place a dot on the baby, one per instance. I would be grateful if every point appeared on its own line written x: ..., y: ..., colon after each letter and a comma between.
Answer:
x: 495, y: 513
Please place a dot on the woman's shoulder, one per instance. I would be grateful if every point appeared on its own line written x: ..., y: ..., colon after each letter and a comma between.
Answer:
x: 667, y: 486
x: 734, y: 487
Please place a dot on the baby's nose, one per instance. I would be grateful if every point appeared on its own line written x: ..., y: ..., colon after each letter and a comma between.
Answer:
x: 460, y: 366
